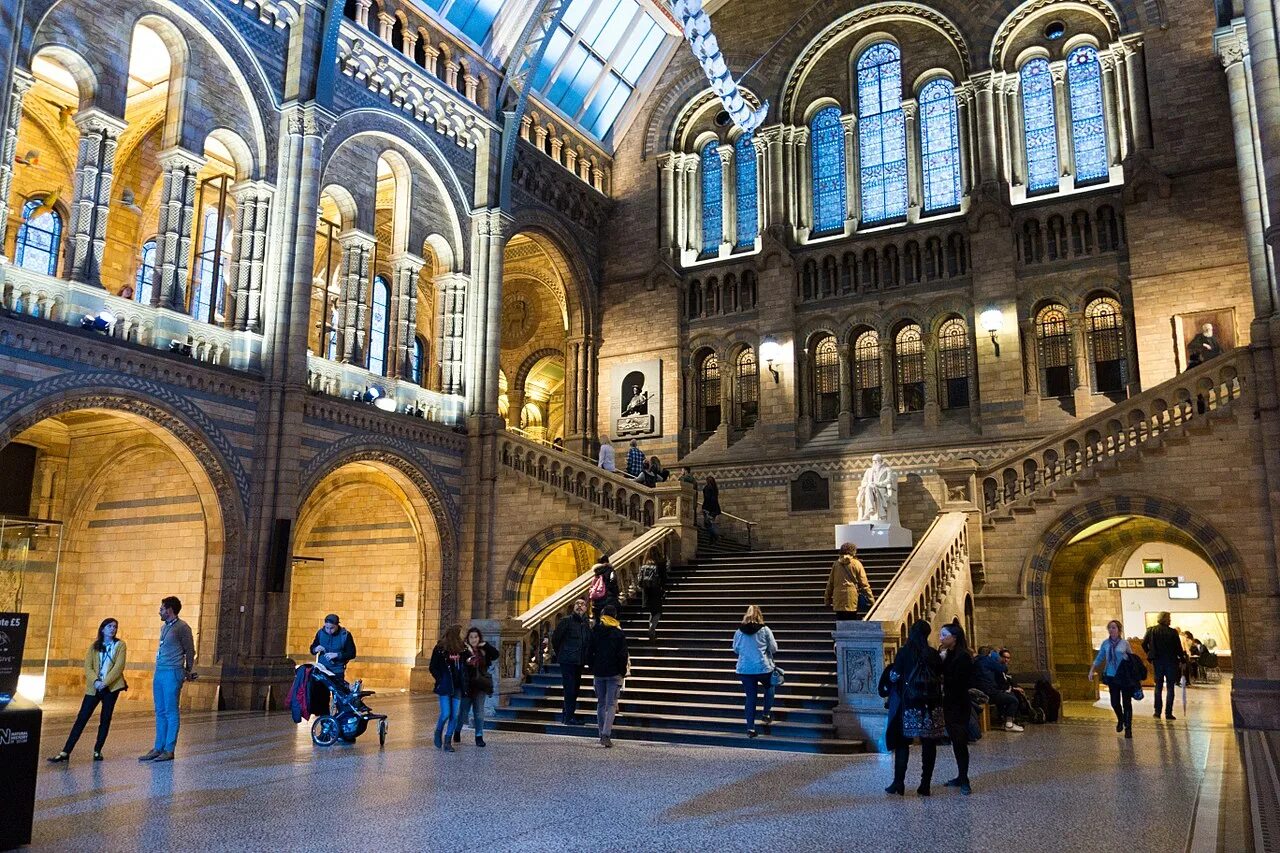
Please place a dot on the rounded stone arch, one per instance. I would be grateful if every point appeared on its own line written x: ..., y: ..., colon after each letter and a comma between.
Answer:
x: 943, y: 309
x: 519, y: 578
x: 895, y: 315
x: 413, y: 141
x: 78, y: 67
x: 1034, y: 301
x: 569, y: 261
x: 819, y: 104
x: 402, y: 457
x: 860, y: 319
x: 348, y: 210
x: 1004, y: 27
x: 1035, y: 577
x: 703, y: 347
x: 522, y: 373
x: 686, y: 95
x: 823, y: 324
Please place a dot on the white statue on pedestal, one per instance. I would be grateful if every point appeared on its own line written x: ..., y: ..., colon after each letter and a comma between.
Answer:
x: 878, y: 493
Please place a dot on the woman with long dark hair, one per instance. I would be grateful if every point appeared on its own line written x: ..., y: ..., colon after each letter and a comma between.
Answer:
x: 476, y: 658
x: 711, y: 507
x: 957, y: 709
x: 104, y: 682
x: 913, y: 686
x: 448, y: 669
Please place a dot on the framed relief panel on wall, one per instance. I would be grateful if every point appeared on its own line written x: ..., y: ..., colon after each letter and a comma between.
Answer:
x: 1202, y: 335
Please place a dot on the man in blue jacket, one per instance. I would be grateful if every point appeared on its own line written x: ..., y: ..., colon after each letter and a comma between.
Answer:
x: 992, y: 678
x: 335, y: 646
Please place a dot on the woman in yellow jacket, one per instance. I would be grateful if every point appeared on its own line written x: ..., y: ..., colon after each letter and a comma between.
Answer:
x: 104, y: 681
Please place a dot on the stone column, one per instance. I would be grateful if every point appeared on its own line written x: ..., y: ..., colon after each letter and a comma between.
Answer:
x: 1030, y: 371
x: 177, y: 223
x: 986, y: 142
x: 451, y: 70
x: 1109, y: 107
x: 483, y: 321
x: 964, y: 130
x: 1062, y: 119
x: 248, y: 254
x: 1017, y: 147
x: 357, y: 260
x: 804, y: 399
x: 1233, y: 51
x: 589, y: 382
x: 451, y: 309
x: 385, y: 23
x: 932, y: 405
x: 1136, y: 80
x: 405, y: 268
x: 853, y: 179
x: 91, y: 199
x: 431, y: 59
x: 572, y: 430
x: 1083, y: 386
x: 914, y: 171
x: 773, y: 204
x: 22, y: 83
x: 410, y: 42
x: 362, y: 12
x: 846, y: 392
x: 728, y: 198
x: 667, y: 187
x: 888, y: 399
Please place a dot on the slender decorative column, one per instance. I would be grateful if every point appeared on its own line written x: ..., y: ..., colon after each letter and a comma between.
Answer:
x: 667, y: 188
x: 95, y: 172
x: 385, y: 23
x: 775, y: 211
x: 888, y: 401
x: 1062, y: 119
x: 572, y: 348
x: 932, y: 405
x: 22, y: 83
x: 803, y: 188
x: 177, y: 222
x: 1109, y: 107
x: 431, y: 59
x: 451, y: 301
x: 1030, y: 371
x: 914, y: 180
x: 846, y: 393
x: 964, y: 120
x: 249, y: 253
x: 728, y: 198
x: 362, y: 12
x: 986, y: 141
x: 1083, y: 387
x: 1017, y: 147
x: 852, y: 179
x: 405, y: 268
x: 410, y: 40
x: 1136, y: 78
x: 357, y: 256
x: 484, y: 312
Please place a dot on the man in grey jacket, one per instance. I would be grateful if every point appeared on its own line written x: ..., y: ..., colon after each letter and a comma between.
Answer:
x: 175, y: 663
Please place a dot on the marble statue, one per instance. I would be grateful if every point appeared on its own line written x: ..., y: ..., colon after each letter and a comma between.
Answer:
x: 878, y: 492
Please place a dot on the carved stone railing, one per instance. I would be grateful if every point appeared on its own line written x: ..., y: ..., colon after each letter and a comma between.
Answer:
x: 581, y: 480
x: 57, y: 300
x: 933, y: 584
x: 1192, y: 396
x: 350, y: 382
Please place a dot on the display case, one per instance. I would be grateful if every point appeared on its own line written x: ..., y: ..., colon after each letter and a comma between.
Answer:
x: 30, y: 556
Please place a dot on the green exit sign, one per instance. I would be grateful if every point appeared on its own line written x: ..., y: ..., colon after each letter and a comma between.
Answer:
x: 1153, y: 566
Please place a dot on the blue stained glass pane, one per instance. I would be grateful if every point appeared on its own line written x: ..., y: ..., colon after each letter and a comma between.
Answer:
x: 146, y: 270
x: 712, y: 198
x: 940, y: 146
x: 1039, y: 127
x: 378, y: 327
x: 1088, y: 127
x: 744, y: 166
x: 882, y: 134
x: 36, y: 246
x: 826, y: 144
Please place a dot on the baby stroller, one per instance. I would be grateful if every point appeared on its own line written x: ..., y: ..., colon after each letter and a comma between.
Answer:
x: 346, y: 719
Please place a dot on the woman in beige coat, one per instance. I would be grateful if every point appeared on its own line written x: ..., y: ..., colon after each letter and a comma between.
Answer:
x: 848, y: 590
x: 104, y: 682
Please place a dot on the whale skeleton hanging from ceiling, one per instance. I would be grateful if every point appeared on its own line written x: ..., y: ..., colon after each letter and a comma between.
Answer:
x: 697, y: 31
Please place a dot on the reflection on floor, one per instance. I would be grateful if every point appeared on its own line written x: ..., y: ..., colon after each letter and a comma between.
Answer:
x: 252, y: 781
x: 1196, y: 705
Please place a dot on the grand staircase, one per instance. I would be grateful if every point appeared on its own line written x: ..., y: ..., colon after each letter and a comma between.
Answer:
x: 682, y: 687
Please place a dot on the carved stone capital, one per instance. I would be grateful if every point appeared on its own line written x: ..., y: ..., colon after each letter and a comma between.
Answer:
x: 173, y: 159
x: 96, y: 121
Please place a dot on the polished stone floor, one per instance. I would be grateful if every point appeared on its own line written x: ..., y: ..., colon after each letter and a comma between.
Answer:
x: 248, y: 781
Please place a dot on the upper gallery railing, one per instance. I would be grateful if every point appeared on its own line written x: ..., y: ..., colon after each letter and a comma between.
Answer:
x: 337, y: 379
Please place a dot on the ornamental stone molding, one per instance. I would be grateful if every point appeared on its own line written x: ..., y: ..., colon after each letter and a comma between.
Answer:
x: 281, y: 14
x: 539, y: 543
x: 1011, y: 24
x: 906, y: 462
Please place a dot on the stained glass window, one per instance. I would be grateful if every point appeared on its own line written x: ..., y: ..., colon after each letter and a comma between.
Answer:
x: 908, y: 348
x: 146, y: 272
x: 826, y: 142
x: 1104, y: 322
x: 1039, y: 128
x: 747, y: 388
x: 1053, y: 334
x: 826, y: 380
x: 38, y: 239
x: 1088, y: 127
x: 379, y: 326
x: 866, y: 375
x: 940, y: 146
x: 953, y: 363
x: 882, y: 134
x: 712, y: 198
x: 708, y: 393
x: 744, y: 167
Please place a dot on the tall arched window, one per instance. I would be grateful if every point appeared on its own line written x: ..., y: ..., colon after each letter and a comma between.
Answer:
x: 39, y: 238
x: 744, y: 173
x: 146, y: 272
x: 940, y: 146
x: 866, y: 375
x: 882, y: 134
x: 953, y: 363
x: 1088, y: 126
x: 1104, y: 324
x: 209, y: 269
x: 826, y: 380
x: 418, y: 367
x: 379, y: 326
x: 712, y: 198
x: 1053, y: 340
x: 908, y: 356
x: 1039, y: 126
x: 746, y: 391
x: 708, y: 393
x: 826, y: 144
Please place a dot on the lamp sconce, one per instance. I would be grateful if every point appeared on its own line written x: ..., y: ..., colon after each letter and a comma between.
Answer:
x: 771, y: 351
x: 992, y: 321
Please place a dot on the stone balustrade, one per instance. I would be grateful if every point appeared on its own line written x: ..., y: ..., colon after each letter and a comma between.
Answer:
x: 1193, y: 395
x: 336, y: 379
x: 57, y: 300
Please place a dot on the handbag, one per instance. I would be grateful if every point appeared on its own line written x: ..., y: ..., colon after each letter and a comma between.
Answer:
x: 778, y: 676
x: 598, y: 588
x: 483, y: 682
x: 864, y: 602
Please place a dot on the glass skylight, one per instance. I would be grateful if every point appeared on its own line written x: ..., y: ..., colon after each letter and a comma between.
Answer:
x: 474, y: 18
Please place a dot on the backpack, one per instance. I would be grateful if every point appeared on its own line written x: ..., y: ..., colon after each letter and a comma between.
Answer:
x: 648, y: 575
x: 1047, y: 699
x: 598, y: 588
x: 923, y: 687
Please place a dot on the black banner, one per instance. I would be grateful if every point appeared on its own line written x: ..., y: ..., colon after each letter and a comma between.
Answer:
x: 13, y: 638
x: 1141, y: 583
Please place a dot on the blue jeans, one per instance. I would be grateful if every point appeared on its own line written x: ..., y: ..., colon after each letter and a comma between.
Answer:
x: 751, y: 686
x: 1167, y: 674
x: 450, y: 715
x: 474, y: 706
x: 166, y: 689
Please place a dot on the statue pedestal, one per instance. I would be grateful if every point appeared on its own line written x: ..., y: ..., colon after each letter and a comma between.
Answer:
x: 873, y: 534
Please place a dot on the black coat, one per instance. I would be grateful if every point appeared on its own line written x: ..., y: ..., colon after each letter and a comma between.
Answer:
x: 1163, y: 645
x: 903, y: 663
x: 470, y: 672
x: 571, y: 639
x: 450, y: 673
x: 711, y: 500
x: 607, y: 655
x: 957, y: 679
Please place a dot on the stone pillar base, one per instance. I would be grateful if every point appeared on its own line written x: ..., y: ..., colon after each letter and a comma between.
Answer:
x: 247, y: 685
x: 1255, y: 703
x: 861, y: 713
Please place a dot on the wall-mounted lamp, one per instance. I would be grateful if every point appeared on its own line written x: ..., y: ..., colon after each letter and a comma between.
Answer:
x: 992, y: 321
x: 771, y: 351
